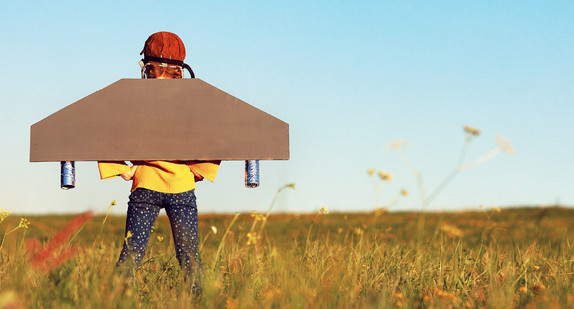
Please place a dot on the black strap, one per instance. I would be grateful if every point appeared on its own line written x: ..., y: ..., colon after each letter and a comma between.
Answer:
x: 188, y: 68
x: 147, y: 59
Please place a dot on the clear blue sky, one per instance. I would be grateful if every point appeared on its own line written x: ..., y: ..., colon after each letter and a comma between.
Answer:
x: 348, y: 77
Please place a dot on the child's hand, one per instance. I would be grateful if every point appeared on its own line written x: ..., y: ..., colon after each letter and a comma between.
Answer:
x: 129, y: 175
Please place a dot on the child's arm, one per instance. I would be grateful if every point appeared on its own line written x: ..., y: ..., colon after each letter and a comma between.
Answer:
x: 204, y: 169
x: 110, y: 169
x: 129, y: 174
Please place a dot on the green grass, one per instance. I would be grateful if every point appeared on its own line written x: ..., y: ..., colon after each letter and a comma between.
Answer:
x: 516, y: 257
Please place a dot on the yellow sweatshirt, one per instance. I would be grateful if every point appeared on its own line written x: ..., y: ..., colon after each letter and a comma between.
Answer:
x: 163, y: 176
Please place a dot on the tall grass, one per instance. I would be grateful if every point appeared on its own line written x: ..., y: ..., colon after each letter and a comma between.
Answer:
x: 490, y: 258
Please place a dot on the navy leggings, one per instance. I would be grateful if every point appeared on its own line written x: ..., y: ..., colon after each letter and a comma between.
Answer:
x: 143, y: 209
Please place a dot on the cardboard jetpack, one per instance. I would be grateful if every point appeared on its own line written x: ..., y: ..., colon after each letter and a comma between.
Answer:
x: 159, y: 119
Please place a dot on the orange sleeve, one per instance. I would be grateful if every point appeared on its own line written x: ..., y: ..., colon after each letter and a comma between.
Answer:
x: 112, y: 169
x: 204, y: 169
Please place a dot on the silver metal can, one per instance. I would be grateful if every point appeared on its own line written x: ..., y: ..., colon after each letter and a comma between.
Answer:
x: 252, y: 173
x: 67, y: 175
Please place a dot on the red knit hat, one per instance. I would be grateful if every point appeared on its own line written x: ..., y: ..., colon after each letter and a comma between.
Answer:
x: 165, y: 45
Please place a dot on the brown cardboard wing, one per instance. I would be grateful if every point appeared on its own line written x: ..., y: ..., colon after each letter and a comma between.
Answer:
x: 147, y: 119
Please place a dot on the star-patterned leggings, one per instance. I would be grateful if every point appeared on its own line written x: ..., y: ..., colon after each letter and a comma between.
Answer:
x: 143, y: 208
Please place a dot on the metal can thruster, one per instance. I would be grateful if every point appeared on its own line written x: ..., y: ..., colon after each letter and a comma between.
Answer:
x: 68, y: 175
x: 252, y: 173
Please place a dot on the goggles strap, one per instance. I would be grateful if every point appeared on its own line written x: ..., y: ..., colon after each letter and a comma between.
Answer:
x: 188, y: 68
x: 147, y: 59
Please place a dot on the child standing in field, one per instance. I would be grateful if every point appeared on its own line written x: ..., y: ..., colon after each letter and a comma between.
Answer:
x: 162, y: 184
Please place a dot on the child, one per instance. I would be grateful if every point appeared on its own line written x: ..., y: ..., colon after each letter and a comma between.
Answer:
x: 162, y: 184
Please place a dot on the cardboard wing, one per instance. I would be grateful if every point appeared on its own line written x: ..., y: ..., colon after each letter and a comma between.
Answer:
x: 151, y: 119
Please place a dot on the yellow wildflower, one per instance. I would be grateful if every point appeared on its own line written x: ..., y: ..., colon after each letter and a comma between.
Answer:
x: 472, y: 131
x: 404, y: 192
x: 112, y: 204
x: 252, y: 238
x: 371, y: 171
x: 323, y: 210
x: 257, y: 216
x: 129, y: 235
x: 24, y: 223
x: 358, y: 231
x: 4, y: 214
x: 385, y: 176
x: 159, y: 238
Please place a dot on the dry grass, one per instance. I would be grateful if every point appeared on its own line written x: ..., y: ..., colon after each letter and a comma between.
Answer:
x: 492, y: 258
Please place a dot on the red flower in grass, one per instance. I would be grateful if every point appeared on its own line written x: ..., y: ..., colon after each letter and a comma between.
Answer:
x: 51, y: 256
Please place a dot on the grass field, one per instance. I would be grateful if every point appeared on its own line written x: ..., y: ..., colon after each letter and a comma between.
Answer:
x: 493, y: 258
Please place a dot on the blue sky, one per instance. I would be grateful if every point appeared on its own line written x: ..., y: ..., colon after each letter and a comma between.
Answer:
x: 349, y: 78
